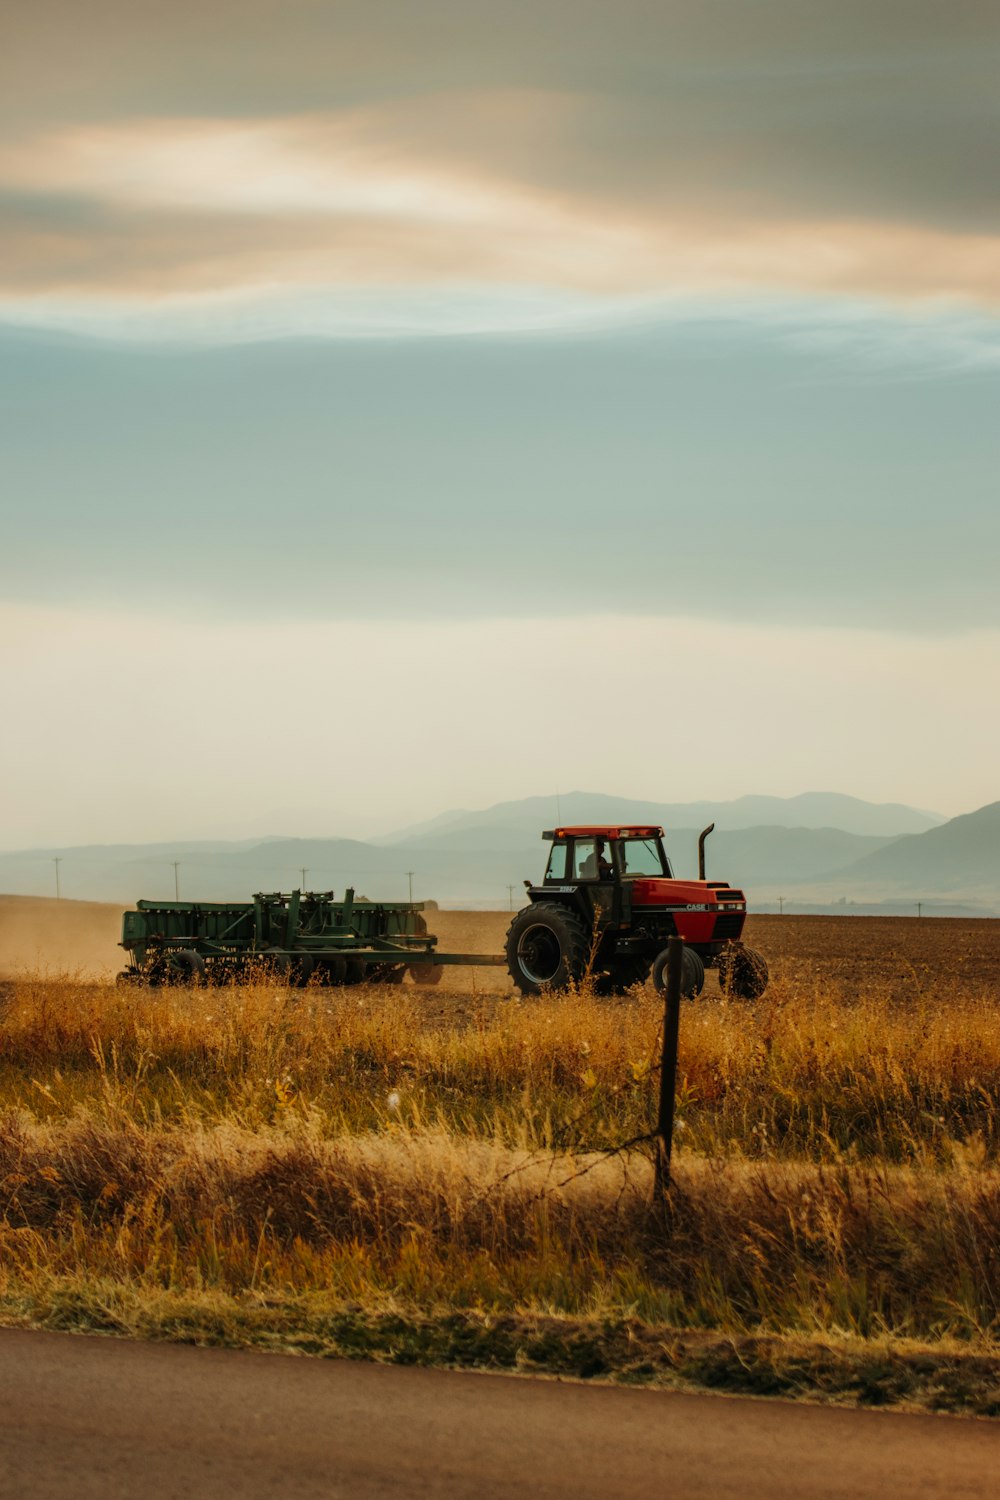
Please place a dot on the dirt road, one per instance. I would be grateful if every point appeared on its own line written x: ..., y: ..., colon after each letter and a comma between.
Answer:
x: 90, y: 1417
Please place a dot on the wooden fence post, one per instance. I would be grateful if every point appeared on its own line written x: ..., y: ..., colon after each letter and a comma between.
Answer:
x: 668, y: 1062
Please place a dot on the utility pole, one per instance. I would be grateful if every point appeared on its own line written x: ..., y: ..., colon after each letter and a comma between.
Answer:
x: 920, y: 908
x: 510, y: 894
x: 781, y: 906
x: 303, y: 872
x: 409, y: 877
x: 57, y: 861
x: 177, y: 884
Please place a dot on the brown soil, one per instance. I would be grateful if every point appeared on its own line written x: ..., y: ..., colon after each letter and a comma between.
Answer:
x: 900, y: 954
x: 854, y: 953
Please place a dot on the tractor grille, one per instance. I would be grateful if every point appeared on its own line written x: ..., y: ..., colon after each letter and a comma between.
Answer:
x: 728, y: 924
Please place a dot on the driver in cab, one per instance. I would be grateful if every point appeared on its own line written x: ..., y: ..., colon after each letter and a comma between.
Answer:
x: 596, y: 866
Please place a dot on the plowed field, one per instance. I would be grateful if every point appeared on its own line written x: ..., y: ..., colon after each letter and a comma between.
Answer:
x: 901, y: 954
x: 904, y: 955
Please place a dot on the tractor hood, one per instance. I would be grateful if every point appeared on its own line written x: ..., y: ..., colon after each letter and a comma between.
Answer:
x: 693, y: 895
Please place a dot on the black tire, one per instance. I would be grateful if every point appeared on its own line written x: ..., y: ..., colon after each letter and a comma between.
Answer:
x: 293, y: 969
x: 622, y: 977
x: 387, y: 974
x: 332, y: 971
x: 692, y: 973
x: 426, y: 973
x: 130, y: 979
x: 183, y: 966
x: 743, y: 972
x: 546, y: 948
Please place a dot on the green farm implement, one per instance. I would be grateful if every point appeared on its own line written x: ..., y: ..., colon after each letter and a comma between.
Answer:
x: 294, y: 936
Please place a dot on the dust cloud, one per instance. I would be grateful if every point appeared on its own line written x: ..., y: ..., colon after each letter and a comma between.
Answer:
x: 472, y: 932
x: 39, y: 935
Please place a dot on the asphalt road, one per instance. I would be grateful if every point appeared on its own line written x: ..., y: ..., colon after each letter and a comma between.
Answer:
x: 89, y: 1417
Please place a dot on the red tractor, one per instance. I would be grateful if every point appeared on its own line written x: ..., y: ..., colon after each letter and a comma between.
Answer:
x: 607, y: 904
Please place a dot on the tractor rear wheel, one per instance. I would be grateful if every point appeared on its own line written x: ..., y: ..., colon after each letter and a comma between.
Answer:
x: 692, y: 973
x: 546, y: 948
x: 742, y: 972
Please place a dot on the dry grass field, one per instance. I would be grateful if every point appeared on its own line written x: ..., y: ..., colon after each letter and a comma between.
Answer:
x: 430, y: 1174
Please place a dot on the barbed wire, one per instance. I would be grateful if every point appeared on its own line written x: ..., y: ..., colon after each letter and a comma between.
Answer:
x: 601, y: 1153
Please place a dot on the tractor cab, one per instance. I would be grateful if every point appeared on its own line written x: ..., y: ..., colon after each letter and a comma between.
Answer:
x: 606, y: 854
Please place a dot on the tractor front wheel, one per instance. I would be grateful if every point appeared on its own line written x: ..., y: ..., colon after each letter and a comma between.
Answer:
x: 742, y: 972
x: 692, y: 973
x: 546, y: 948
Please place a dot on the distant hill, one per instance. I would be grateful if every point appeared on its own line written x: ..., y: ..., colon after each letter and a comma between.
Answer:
x: 962, y: 854
x: 751, y: 857
x: 516, y: 822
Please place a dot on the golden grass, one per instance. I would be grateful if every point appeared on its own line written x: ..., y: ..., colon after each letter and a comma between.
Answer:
x: 254, y: 1161
x: 802, y: 1074
x: 417, y: 1214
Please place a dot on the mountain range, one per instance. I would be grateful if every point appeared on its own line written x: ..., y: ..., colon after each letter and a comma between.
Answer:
x: 816, y: 851
x: 525, y: 818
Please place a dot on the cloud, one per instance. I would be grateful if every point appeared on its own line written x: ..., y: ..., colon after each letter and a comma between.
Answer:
x: 147, y: 208
x: 643, y: 146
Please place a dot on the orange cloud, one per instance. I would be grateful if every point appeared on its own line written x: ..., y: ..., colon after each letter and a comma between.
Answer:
x: 156, y: 208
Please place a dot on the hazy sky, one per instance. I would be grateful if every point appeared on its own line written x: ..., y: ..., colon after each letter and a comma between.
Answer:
x: 405, y: 406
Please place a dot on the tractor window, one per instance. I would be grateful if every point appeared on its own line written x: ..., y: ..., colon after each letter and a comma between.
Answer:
x: 593, y: 861
x: 642, y: 857
x: 557, y: 862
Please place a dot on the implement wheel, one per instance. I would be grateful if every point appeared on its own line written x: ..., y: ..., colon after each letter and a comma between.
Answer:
x: 426, y: 973
x: 623, y: 976
x: 130, y: 979
x: 386, y: 974
x: 546, y: 948
x: 182, y: 966
x: 742, y: 972
x: 293, y: 969
x: 692, y: 973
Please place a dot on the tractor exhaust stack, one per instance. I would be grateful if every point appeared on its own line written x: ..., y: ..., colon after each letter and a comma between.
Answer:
x: 701, y: 850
